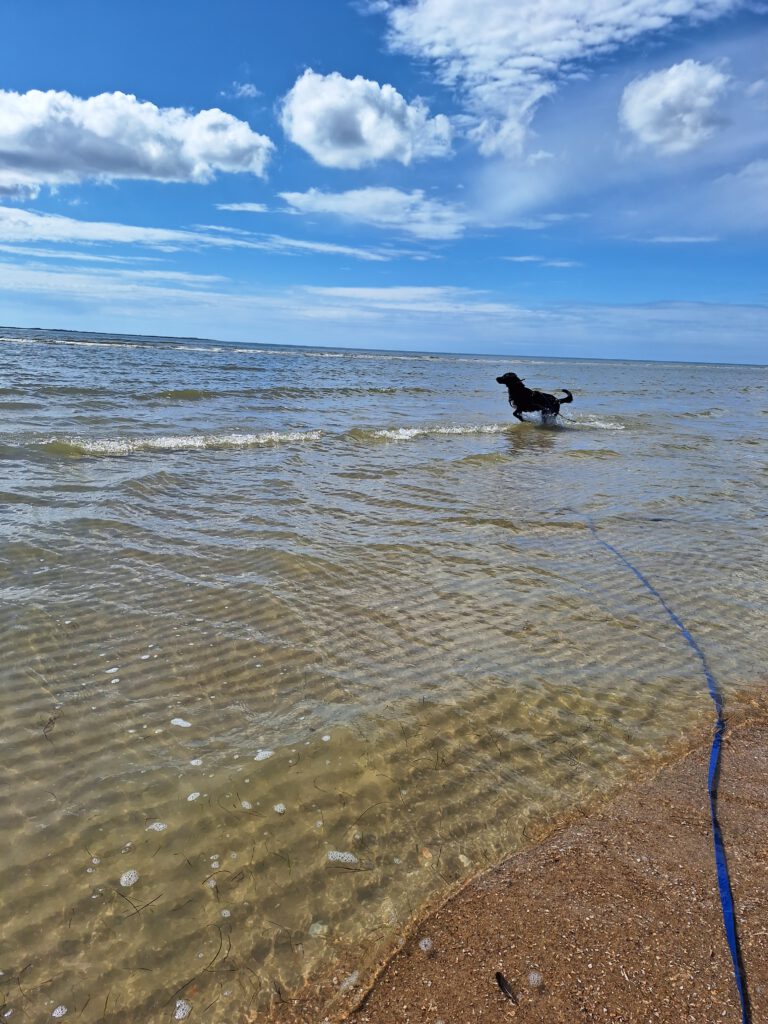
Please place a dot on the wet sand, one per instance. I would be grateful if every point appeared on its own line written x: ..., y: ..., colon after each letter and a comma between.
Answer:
x: 614, y: 917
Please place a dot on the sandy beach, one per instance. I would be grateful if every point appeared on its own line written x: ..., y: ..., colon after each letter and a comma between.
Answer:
x: 614, y: 917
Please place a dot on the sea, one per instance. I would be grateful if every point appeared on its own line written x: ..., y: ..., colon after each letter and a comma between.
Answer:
x: 293, y: 640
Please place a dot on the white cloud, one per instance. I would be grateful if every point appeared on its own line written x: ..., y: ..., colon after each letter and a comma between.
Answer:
x: 754, y: 174
x: 18, y: 225
x: 543, y: 261
x: 23, y: 226
x: 243, y: 91
x: 442, y: 300
x: 54, y: 138
x: 79, y: 255
x: 279, y: 243
x: 505, y: 56
x: 352, y: 122
x: 384, y: 207
x: 710, y: 207
x: 674, y: 110
x: 683, y: 239
x: 739, y: 199
x: 102, y: 288
x: 243, y: 207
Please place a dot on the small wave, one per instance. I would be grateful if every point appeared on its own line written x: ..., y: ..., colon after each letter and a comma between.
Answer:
x: 73, y: 447
x: 283, y: 391
x: 179, y: 395
x: 592, y: 423
x: 591, y: 453
x: 72, y: 342
x: 407, y: 433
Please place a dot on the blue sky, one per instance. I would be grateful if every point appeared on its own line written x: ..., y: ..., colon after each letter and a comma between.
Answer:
x: 553, y: 177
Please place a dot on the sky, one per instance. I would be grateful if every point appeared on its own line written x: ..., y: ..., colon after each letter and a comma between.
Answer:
x: 584, y: 178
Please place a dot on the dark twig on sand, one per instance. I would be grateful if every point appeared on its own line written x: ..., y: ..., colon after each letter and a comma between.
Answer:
x: 503, y: 984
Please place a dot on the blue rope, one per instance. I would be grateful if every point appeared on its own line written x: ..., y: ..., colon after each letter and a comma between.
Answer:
x: 723, y: 881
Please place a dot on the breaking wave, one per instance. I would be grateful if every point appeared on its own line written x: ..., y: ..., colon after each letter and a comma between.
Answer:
x: 408, y: 433
x: 78, y: 447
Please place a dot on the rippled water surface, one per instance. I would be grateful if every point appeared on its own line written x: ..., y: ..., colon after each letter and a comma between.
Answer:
x: 292, y: 639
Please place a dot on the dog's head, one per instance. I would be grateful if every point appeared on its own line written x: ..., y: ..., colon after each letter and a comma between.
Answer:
x: 510, y: 380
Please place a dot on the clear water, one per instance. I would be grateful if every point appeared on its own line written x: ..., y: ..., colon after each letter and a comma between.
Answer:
x: 292, y: 639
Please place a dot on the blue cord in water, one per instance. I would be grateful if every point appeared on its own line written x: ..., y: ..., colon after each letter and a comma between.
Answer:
x: 723, y: 881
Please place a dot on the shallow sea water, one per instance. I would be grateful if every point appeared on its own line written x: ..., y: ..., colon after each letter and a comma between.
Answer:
x: 294, y: 639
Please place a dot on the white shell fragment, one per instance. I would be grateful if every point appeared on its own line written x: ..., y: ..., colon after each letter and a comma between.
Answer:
x: 342, y: 857
x: 129, y: 878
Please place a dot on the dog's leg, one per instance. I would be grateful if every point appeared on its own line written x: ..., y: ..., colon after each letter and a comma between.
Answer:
x: 518, y: 415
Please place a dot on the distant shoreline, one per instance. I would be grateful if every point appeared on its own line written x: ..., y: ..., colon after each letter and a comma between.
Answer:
x: 116, y: 337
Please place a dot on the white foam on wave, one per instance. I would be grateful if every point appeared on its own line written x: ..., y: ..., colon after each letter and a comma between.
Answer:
x: 407, y: 433
x: 593, y: 423
x: 187, y: 442
x: 80, y: 343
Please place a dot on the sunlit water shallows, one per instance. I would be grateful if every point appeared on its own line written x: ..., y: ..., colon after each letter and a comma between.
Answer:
x: 293, y: 639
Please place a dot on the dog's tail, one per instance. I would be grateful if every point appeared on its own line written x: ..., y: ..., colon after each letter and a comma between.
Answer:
x: 564, y: 401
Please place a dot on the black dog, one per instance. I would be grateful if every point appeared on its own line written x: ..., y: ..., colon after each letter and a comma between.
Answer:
x: 522, y: 399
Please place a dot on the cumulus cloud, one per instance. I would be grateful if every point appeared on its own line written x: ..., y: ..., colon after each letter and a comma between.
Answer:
x: 352, y: 122
x: 384, y: 207
x: 505, y: 56
x: 674, y: 110
x: 54, y: 138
